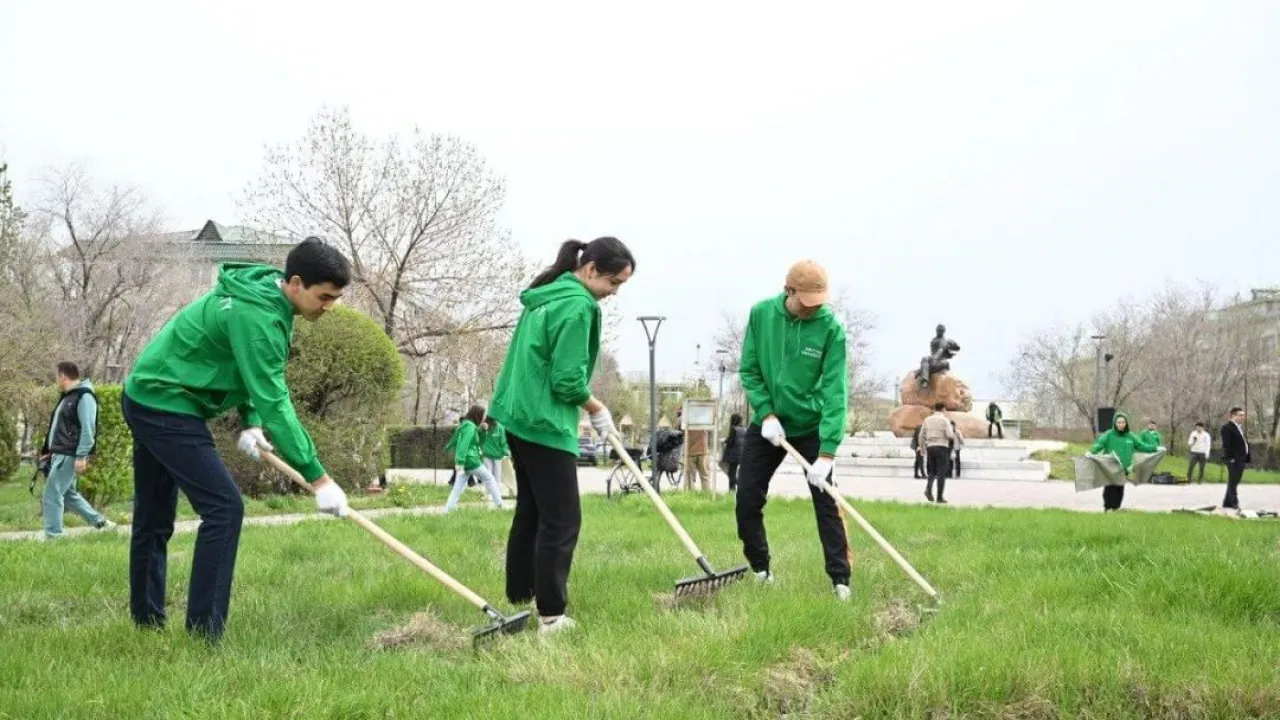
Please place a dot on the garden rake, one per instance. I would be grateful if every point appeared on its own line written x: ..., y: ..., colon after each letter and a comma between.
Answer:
x: 500, y: 625
x: 711, y: 581
x: 884, y: 544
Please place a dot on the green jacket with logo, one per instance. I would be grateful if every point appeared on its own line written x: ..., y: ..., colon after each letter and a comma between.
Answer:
x: 229, y: 350
x: 797, y: 370
x: 1123, y: 444
x: 544, y: 379
x: 465, y: 444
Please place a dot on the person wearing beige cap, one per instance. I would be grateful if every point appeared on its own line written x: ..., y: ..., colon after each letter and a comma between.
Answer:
x: 795, y: 376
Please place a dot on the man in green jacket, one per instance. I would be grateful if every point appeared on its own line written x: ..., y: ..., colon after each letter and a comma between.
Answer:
x: 1151, y: 436
x: 226, y: 350
x: 795, y: 376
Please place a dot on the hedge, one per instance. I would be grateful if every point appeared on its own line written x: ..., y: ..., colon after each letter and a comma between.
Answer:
x: 9, y: 458
x: 110, y: 474
x: 416, y: 446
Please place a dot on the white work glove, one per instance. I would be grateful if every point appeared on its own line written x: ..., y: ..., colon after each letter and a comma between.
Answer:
x: 331, y: 499
x: 818, y: 472
x: 250, y: 440
x: 772, y: 431
x: 1162, y: 449
x: 602, y: 421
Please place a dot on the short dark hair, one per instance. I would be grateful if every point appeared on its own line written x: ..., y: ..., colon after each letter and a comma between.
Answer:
x: 316, y: 261
x: 1199, y: 424
x: 939, y: 406
x: 68, y: 369
x: 475, y: 414
x: 1235, y: 410
x: 735, y: 419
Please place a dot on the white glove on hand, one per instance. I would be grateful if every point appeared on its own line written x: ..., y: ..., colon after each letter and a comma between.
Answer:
x: 818, y: 472
x: 331, y: 499
x: 250, y: 440
x: 772, y: 431
x: 602, y: 421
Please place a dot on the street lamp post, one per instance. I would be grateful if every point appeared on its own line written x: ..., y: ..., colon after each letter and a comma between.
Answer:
x: 721, y: 354
x: 1097, y: 382
x: 652, y: 336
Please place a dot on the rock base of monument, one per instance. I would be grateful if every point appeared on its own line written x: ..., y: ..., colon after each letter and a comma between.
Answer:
x: 917, y: 404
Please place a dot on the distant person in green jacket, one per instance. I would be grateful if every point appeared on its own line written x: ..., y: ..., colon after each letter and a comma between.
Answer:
x: 1122, y: 443
x: 465, y: 444
x: 796, y: 379
x: 544, y: 384
x: 226, y: 350
x: 493, y: 446
x: 1151, y: 435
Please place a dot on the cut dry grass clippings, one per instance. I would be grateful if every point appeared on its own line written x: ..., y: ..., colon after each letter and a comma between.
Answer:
x: 423, y: 630
x: 789, y: 687
x: 896, y: 620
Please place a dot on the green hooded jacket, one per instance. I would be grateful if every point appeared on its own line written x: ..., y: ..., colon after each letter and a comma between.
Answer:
x: 493, y: 443
x: 796, y: 369
x: 465, y: 444
x: 544, y: 379
x: 229, y: 350
x: 1151, y: 436
x: 1123, y: 444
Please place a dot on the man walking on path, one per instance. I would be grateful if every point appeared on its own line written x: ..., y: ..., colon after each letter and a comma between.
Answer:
x: 936, y: 436
x: 1199, y: 445
x: 226, y: 350
x: 795, y: 377
x: 1235, y: 453
x: 69, y: 444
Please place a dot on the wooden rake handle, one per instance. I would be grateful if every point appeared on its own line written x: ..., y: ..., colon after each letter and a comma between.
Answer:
x: 884, y: 544
x: 657, y: 499
x: 422, y: 563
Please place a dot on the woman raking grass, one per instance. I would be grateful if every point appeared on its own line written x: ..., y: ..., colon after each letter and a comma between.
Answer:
x: 539, y: 394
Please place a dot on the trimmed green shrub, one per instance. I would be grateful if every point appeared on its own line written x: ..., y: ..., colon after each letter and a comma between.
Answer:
x: 344, y: 375
x: 420, y: 446
x: 110, y: 474
x: 9, y: 457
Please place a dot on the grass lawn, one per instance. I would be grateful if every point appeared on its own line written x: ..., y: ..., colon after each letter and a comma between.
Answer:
x: 20, y: 511
x: 1047, y: 614
x: 1062, y: 467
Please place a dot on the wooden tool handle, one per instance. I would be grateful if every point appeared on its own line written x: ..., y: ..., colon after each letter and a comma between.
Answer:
x: 364, y: 522
x: 653, y: 495
x: 884, y: 544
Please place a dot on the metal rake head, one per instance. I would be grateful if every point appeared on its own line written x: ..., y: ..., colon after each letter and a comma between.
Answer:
x: 501, y: 626
x: 708, y: 585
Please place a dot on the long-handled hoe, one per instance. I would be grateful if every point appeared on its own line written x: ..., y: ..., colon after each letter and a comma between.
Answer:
x: 884, y: 544
x: 711, y: 581
x: 500, y: 625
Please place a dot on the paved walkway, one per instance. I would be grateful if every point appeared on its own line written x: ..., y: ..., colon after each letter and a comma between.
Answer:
x: 960, y: 493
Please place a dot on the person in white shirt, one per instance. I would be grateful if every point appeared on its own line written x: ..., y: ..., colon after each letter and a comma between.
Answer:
x: 1199, y: 443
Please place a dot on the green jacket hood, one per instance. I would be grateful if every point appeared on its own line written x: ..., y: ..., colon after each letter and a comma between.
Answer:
x: 1128, y: 424
x: 253, y: 283
x: 566, y: 286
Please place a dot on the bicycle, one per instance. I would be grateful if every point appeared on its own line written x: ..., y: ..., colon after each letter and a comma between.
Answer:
x: 626, y: 483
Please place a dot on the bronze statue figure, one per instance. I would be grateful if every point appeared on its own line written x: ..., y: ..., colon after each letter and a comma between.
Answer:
x: 941, y: 350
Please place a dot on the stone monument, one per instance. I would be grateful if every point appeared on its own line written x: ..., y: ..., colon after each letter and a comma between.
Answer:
x: 931, y: 383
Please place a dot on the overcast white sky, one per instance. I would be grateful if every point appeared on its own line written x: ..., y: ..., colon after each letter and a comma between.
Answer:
x: 978, y: 164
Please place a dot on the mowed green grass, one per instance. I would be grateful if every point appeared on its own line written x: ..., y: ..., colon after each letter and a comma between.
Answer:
x: 1046, y: 614
x: 19, y: 510
x: 1062, y: 467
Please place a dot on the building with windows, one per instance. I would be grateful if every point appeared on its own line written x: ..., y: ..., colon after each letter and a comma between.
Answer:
x: 199, y: 252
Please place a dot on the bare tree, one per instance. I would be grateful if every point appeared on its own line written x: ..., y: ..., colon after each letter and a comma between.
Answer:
x: 108, y: 264
x: 417, y: 218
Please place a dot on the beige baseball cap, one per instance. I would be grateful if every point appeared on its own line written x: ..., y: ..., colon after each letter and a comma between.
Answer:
x: 809, y: 281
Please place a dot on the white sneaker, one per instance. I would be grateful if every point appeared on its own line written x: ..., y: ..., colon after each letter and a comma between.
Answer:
x: 560, y: 624
x: 765, y: 577
x: 106, y: 525
x: 844, y: 593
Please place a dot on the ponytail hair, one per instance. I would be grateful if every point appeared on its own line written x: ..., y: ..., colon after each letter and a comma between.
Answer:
x: 608, y: 253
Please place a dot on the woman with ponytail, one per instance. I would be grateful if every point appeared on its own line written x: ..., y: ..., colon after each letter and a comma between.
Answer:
x: 544, y: 381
